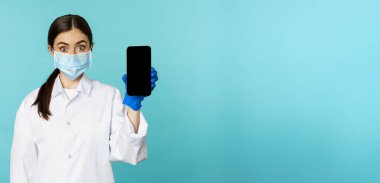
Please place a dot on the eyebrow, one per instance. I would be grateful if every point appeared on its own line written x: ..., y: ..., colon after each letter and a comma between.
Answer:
x: 75, y: 43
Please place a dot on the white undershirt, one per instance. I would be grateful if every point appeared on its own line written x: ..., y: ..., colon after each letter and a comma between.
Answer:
x: 70, y: 92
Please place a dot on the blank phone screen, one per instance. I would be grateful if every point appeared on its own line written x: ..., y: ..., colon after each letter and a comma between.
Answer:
x: 138, y: 70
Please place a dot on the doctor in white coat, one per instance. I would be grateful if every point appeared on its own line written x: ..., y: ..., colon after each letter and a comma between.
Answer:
x: 72, y: 127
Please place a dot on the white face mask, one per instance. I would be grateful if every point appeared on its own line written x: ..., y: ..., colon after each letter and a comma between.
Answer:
x: 72, y: 65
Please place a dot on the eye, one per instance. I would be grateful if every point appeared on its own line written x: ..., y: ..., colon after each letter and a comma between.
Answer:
x: 63, y: 49
x: 81, y: 47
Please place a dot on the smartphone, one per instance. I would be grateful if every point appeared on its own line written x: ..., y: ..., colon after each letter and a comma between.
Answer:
x: 138, y: 70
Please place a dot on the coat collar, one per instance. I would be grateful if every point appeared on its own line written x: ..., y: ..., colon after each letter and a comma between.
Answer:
x: 84, y: 86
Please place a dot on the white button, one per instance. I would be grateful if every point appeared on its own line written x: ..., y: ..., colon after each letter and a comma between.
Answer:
x: 69, y: 156
x: 68, y: 123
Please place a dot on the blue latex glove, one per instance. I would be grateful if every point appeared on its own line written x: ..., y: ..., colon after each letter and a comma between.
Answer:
x: 134, y: 102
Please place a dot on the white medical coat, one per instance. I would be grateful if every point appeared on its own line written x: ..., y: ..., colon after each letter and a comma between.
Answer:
x: 83, y: 135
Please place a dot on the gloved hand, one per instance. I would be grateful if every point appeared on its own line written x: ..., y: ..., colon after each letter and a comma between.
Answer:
x: 134, y: 102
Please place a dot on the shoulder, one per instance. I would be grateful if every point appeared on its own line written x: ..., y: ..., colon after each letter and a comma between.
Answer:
x: 28, y: 100
x: 31, y: 97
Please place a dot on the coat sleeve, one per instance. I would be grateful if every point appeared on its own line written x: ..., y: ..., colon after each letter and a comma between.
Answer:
x: 23, y: 161
x: 126, y: 145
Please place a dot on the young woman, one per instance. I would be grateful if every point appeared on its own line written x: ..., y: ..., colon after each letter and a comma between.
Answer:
x: 72, y: 127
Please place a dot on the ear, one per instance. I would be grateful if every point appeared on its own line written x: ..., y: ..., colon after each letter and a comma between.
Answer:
x: 50, y: 49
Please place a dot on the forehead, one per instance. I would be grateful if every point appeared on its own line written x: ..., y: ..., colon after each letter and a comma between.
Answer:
x: 71, y: 37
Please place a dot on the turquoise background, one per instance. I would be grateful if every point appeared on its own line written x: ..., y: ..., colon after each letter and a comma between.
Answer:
x: 249, y: 91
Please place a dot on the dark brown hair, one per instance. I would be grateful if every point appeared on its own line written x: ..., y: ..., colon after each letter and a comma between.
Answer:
x: 61, y: 24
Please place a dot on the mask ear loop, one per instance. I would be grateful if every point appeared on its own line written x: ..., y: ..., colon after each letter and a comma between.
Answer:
x: 90, y: 58
x: 51, y: 49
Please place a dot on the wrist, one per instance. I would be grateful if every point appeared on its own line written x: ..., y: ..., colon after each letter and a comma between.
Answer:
x: 132, y: 102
